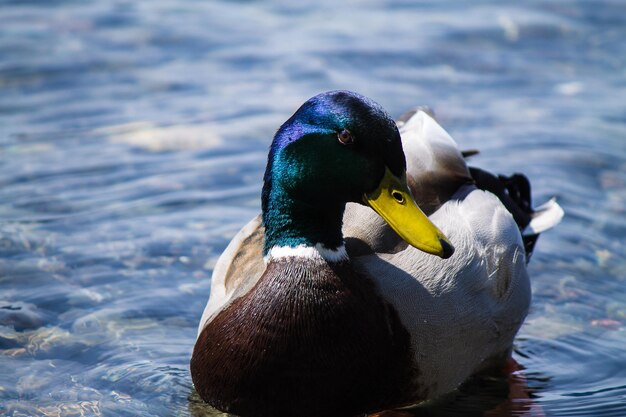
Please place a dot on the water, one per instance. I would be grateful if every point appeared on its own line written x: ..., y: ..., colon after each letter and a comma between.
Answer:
x: 133, y: 138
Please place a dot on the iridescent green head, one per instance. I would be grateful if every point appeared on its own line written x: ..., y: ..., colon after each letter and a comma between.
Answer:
x: 338, y: 147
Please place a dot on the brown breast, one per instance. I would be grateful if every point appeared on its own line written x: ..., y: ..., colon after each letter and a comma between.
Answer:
x: 310, y: 339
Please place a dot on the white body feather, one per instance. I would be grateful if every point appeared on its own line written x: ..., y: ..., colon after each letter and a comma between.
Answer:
x: 464, y: 310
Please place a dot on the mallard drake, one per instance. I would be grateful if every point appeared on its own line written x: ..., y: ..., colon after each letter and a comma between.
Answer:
x: 344, y: 297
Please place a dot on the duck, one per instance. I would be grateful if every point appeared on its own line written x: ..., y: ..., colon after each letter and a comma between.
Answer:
x: 382, y: 271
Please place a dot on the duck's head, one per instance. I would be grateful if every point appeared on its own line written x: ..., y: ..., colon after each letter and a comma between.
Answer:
x: 340, y: 147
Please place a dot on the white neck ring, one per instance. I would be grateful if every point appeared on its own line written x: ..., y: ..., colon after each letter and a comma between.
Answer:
x: 318, y: 252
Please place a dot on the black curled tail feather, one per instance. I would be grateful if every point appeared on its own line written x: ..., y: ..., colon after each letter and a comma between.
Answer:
x: 514, y: 193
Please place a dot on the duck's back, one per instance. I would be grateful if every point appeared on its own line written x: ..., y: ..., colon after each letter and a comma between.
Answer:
x: 462, y: 312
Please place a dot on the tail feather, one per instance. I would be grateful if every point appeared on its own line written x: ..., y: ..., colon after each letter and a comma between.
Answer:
x: 544, y: 217
x: 514, y: 193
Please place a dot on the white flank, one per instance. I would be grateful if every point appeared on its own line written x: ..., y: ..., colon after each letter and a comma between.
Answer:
x: 317, y: 252
x: 545, y: 217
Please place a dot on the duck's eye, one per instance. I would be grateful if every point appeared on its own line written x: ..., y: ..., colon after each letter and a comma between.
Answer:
x: 345, y: 137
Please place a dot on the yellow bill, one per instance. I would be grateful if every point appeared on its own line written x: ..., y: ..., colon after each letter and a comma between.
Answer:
x: 394, y: 202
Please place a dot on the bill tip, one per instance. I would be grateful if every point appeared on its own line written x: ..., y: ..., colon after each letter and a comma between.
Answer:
x: 448, y: 249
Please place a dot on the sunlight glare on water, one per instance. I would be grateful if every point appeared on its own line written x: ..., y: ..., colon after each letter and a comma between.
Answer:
x: 133, y: 138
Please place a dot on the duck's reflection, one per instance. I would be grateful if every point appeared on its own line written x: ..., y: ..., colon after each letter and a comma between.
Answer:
x: 496, y: 393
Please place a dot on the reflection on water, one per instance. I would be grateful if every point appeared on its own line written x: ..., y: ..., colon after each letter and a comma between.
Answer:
x: 132, y: 146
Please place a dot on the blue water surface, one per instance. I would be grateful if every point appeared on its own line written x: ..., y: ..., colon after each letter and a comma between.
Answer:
x: 133, y: 138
